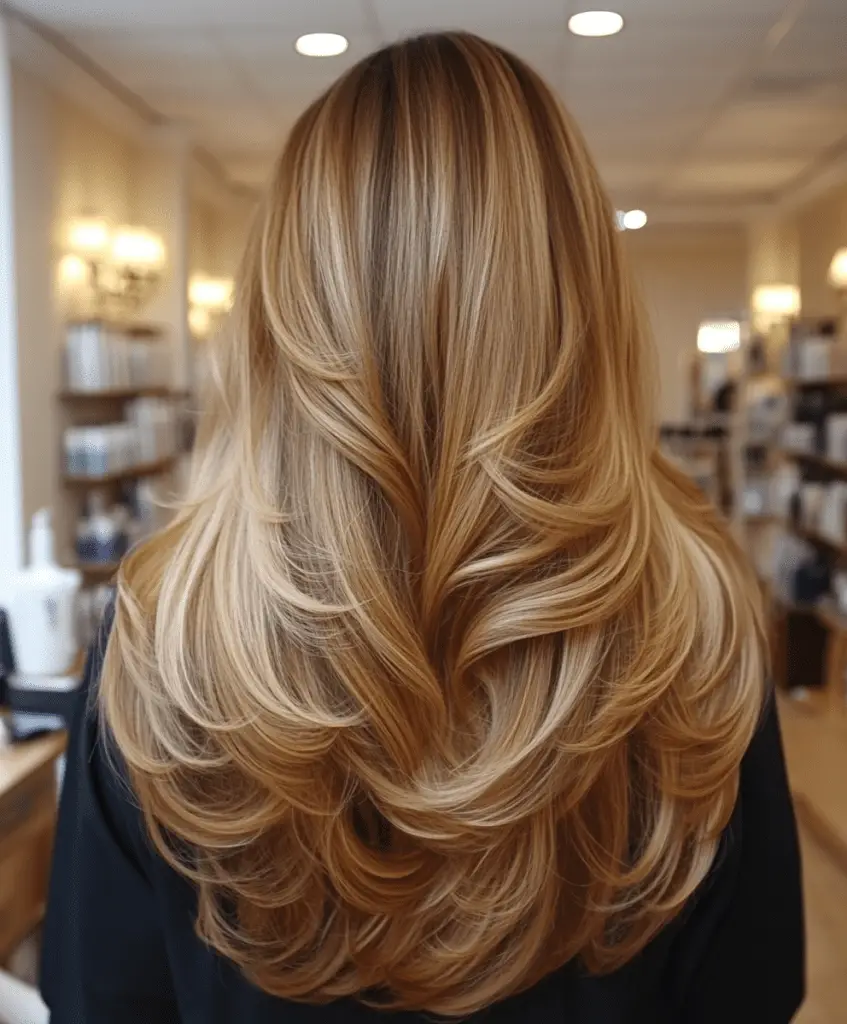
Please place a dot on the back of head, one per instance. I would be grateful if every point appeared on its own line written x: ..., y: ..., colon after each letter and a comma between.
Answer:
x: 441, y: 676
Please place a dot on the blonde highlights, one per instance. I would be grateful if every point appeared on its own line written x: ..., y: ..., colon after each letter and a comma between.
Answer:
x: 442, y: 675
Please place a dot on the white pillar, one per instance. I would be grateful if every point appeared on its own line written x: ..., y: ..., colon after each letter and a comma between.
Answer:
x: 773, y: 256
x: 11, y: 487
x: 163, y: 204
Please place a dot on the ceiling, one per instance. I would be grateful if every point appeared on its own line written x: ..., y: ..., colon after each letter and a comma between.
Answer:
x: 697, y: 103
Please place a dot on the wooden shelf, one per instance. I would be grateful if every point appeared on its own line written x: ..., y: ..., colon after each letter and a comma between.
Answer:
x: 120, y: 394
x: 839, y: 547
x: 813, y: 459
x: 135, y: 329
x: 98, y: 570
x: 817, y: 382
x: 131, y: 473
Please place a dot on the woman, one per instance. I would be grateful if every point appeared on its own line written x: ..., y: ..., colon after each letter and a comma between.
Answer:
x: 443, y: 694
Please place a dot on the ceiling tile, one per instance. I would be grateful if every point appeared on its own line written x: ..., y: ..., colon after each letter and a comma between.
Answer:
x: 227, y: 70
x: 269, y: 62
x: 253, y: 171
x: 247, y: 132
x: 735, y: 175
x: 270, y: 42
x: 787, y: 128
x: 399, y: 17
x: 697, y: 10
x: 626, y: 175
x: 816, y: 46
x: 161, y: 14
x: 120, y: 44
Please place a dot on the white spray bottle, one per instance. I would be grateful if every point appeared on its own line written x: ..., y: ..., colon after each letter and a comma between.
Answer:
x: 42, y: 612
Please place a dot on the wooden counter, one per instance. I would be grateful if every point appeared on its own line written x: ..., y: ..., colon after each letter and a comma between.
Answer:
x: 27, y: 823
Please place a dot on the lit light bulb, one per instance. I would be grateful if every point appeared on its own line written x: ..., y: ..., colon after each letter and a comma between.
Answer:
x: 212, y: 293
x: 596, y: 23
x: 73, y: 271
x: 138, y: 248
x: 634, y: 220
x: 838, y: 270
x: 321, y: 44
x: 199, y: 321
x: 777, y: 299
x: 88, y: 237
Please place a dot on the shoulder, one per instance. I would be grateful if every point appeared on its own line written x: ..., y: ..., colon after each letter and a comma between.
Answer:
x: 96, y: 770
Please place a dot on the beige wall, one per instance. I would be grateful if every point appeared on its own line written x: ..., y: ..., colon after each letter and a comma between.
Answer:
x: 686, y: 275
x: 97, y: 169
x: 797, y: 247
x: 66, y: 164
x: 202, y: 256
x: 774, y: 257
x: 35, y: 155
x: 161, y: 203
x: 822, y: 228
x: 11, y: 486
x: 217, y: 235
x: 233, y: 229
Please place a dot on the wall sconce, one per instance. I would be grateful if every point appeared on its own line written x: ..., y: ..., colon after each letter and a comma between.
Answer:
x: 138, y: 260
x: 719, y: 336
x: 838, y: 271
x: 208, y: 299
x: 102, y: 265
x: 87, y: 241
x: 775, y: 301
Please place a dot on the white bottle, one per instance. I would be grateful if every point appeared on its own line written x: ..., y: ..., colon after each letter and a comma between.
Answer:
x: 42, y: 611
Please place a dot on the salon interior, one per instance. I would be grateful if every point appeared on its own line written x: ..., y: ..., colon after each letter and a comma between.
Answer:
x: 135, y: 140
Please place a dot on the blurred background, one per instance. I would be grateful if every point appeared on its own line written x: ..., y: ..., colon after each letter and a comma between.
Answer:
x: 135, y: 138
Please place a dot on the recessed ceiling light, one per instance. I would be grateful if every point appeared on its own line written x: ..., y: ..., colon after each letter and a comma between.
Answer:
x: 596, y: 23
x: 321, y: 44
x: 633, y: 220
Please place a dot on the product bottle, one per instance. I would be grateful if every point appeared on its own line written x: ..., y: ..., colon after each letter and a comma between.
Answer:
x: 42, y: 613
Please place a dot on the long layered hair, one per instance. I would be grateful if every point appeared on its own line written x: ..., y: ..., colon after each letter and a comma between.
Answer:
x: 441, y: 676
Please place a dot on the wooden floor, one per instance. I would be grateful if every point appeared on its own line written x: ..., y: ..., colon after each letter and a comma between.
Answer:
x: 816, y: 750
x: 826, y: 928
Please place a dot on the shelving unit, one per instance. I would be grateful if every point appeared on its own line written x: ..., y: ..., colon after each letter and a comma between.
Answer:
x: 120, y: 394
x: 138, y: 472
x: 818, y: 539
x: 140, y: 329
x: 813, y: 467
x: 767, y: 348
x: 821, y: 461
x: 98, y: 572
x: 110, y: 359
x: 801, y: 383
x: 761, y: 519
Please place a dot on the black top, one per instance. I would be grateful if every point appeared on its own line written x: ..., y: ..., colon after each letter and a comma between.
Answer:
x: 120, y: 946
